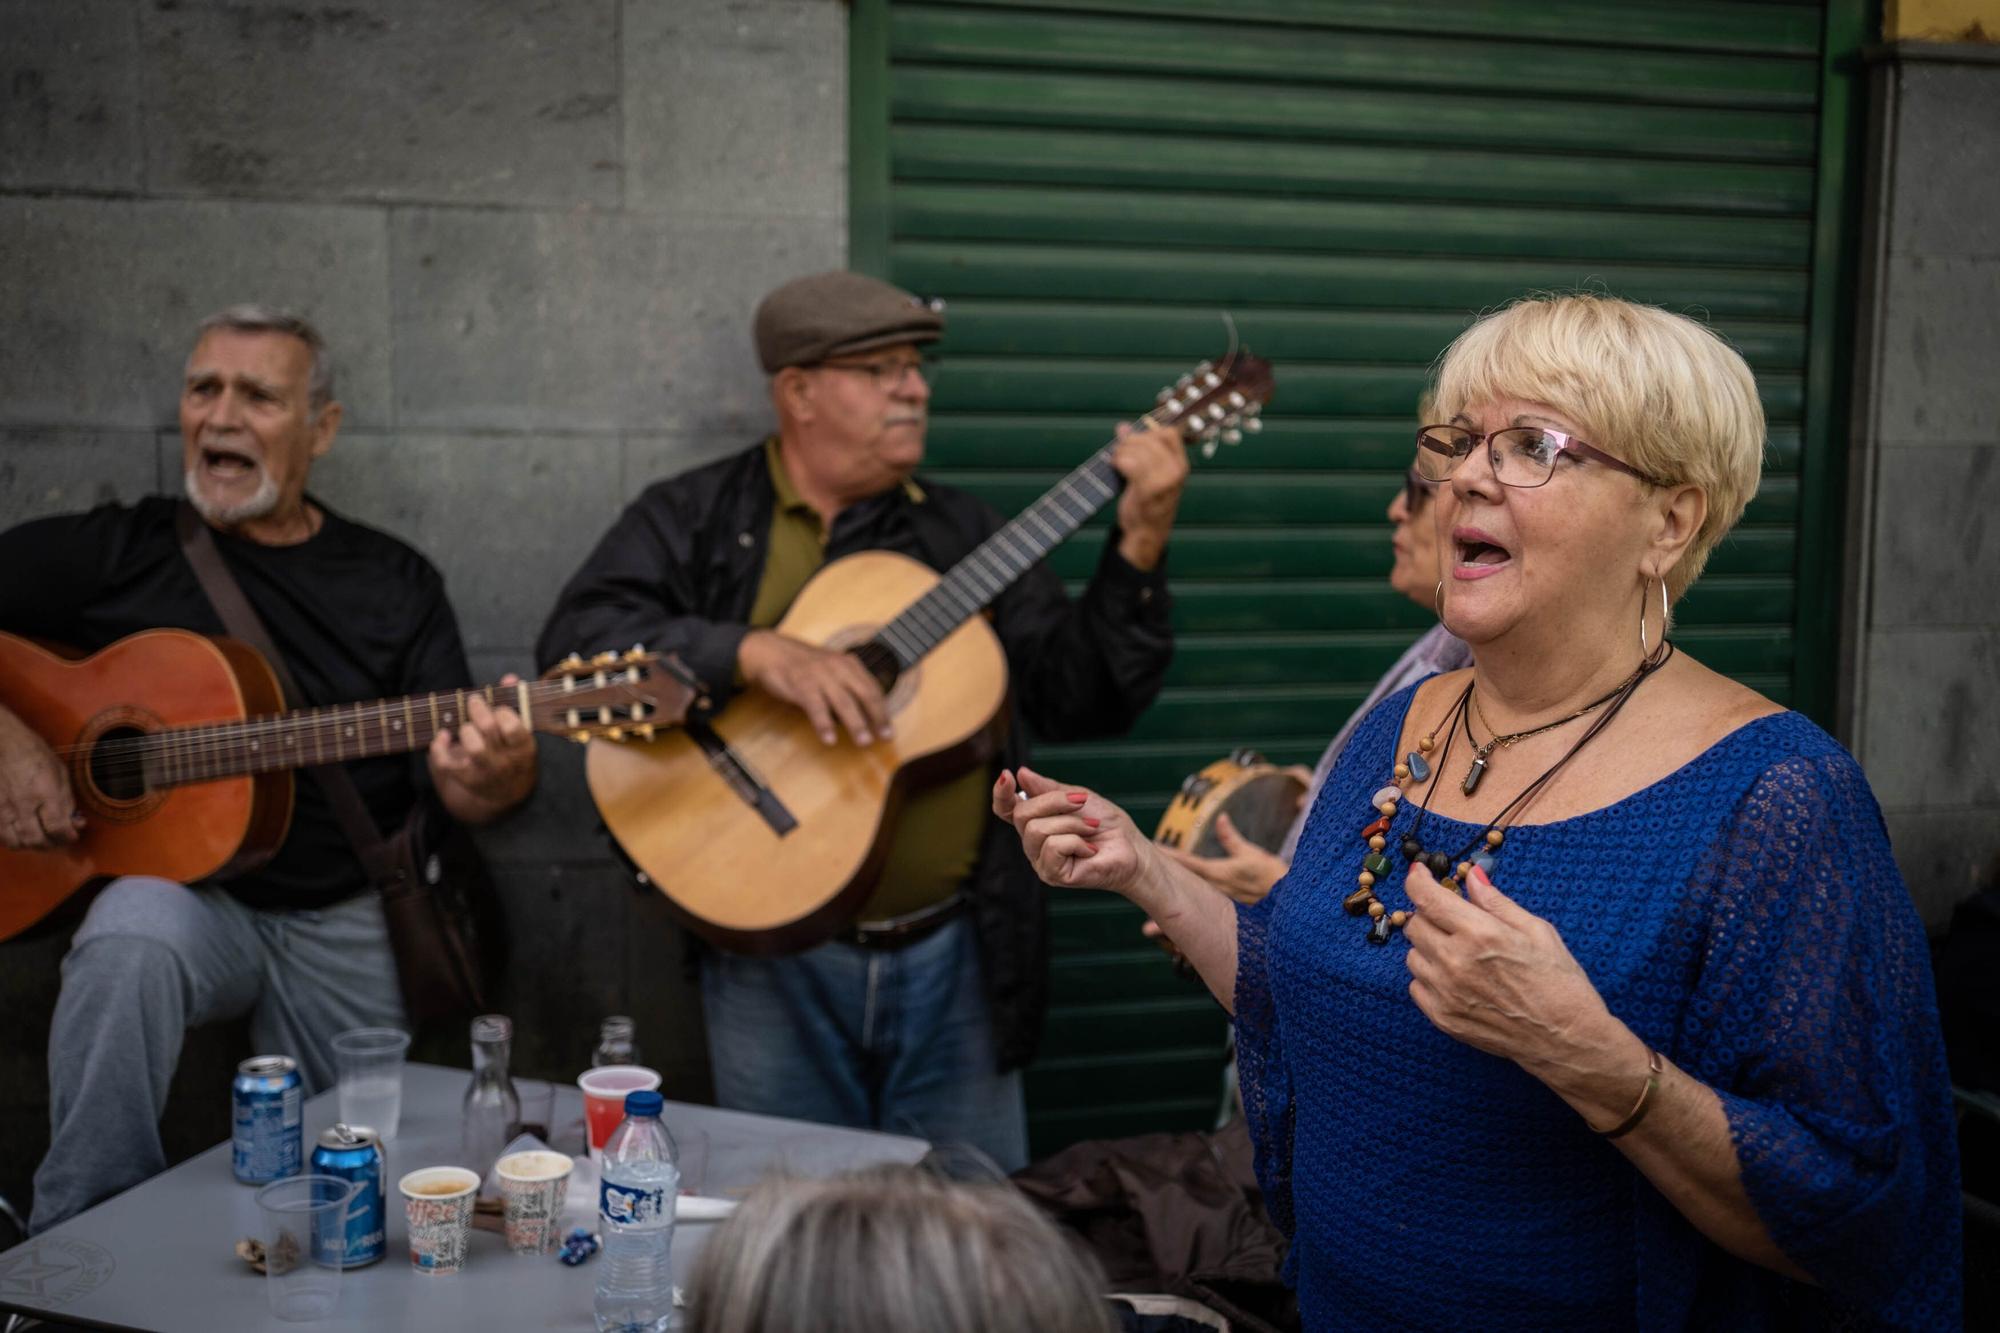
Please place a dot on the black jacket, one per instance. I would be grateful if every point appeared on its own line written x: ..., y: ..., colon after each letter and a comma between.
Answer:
x: 678, y: 572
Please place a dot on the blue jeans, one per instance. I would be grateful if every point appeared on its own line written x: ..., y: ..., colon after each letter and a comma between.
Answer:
x: 890, y: 1039
x: 153, y: 959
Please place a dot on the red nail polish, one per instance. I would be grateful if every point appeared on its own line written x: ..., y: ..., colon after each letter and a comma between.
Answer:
x: 1078, y: 798
x: 1091, y: 823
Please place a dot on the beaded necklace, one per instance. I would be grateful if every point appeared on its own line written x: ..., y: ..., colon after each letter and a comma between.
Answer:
x: 1483, y: 846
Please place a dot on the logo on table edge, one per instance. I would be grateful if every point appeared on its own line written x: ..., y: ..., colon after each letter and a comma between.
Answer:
x: 53, y: 1270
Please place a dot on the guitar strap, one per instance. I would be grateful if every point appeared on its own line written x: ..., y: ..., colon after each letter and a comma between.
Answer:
x: 242, y: 622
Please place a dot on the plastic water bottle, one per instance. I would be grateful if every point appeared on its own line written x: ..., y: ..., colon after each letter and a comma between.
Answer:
x: 635, y: 1204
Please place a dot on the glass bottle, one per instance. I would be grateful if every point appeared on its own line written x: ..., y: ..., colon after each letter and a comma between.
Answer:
x: 492, y: 1110
x: 614, y: 1043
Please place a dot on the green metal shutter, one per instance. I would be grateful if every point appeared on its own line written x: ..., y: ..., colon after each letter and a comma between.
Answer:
x: 1088, y: 185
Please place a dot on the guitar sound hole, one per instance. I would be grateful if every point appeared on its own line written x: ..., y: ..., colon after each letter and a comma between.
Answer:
x: 115, y: 769
x: 880, y: 661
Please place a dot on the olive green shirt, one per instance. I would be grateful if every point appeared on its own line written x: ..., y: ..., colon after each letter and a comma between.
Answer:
x: 935, y: 842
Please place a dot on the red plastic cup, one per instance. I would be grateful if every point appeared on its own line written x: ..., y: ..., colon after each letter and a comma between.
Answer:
x: 604, y: 1090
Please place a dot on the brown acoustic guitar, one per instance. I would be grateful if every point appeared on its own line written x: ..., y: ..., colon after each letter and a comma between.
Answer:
x: 764, y: 840
x: 181, y: 760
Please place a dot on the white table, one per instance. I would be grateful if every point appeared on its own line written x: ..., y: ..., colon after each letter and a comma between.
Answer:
x: 159, y: 1256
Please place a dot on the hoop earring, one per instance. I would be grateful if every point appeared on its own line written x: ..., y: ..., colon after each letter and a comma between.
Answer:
x: 1645, y: 654
x: 1437, y: 604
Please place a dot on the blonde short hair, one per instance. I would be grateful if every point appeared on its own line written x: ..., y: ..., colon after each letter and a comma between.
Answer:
x: 892, y: 1250
x: 1654, y: 389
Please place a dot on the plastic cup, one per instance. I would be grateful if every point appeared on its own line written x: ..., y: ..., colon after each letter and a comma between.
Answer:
x: 604, y: 1090
x: 533, y: 1187
x: 370, y: 1061
x: 438, y: 1201
x: 304, y: 1233
x: 538, y: 1109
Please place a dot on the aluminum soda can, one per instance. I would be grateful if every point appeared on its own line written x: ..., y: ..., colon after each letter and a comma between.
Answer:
x: 265, y: 1139
x: 354, y: 1154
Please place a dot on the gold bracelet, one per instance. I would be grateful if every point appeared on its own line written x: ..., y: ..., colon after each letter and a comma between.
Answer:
x: 1655, y: 1066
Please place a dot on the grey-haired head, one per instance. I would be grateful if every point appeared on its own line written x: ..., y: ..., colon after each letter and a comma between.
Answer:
x: 252, y: 317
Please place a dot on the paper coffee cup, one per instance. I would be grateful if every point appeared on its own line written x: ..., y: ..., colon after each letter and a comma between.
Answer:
x: 533, y: 1188
x: 438, y: 1201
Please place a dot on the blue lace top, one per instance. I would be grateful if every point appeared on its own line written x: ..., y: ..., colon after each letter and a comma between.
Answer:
x: 1744, y: 916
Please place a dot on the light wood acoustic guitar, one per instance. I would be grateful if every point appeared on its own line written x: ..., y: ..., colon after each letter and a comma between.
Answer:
x: 766, y: 841
x: 181, y: 760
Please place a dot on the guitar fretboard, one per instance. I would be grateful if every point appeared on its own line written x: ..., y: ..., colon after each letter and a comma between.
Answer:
x: 300, y: 739
x: 990, y: 570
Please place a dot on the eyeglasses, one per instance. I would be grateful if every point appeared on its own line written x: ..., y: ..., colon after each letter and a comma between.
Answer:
x: 1521, y: 456
x: 1416, y: 490
x: 889, y: 375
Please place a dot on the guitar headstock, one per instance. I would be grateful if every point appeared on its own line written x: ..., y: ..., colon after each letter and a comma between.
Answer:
x: 612, y: 696
x: 1217, y: 403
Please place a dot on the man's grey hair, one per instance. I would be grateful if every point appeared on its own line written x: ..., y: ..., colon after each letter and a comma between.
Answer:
x: 250, y: 317
x: 892, y: 1249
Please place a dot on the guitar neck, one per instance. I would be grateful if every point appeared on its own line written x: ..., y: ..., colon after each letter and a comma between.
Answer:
x: 308, y: 737
x: 974, y: 582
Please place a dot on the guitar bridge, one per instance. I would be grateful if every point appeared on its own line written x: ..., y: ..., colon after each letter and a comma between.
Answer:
x: 739, y: 777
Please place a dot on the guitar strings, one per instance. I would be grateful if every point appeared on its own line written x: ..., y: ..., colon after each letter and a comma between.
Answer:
x: 1001, y: 558
x: 1014, y: 548
x: 124, y: 755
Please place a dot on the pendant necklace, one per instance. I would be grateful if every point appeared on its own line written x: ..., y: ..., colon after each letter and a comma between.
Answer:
x: 1496, y: 740
x: 1450, y: 868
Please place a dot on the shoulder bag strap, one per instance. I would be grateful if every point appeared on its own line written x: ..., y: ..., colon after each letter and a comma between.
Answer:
x: 242, y: 621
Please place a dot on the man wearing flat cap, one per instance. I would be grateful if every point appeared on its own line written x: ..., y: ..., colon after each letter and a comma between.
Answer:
x: 918, y: 1017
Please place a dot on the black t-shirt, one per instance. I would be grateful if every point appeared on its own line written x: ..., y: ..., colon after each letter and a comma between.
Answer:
x: 357, y: 614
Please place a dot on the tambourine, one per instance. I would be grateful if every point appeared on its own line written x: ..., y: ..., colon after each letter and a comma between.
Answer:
x: 1260, y: 798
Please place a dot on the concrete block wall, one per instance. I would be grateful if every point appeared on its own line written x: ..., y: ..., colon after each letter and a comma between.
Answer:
x: 533, y: 232
x: 1922, y: 710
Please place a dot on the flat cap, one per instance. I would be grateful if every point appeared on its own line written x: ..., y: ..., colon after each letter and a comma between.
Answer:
x: 831, y: 314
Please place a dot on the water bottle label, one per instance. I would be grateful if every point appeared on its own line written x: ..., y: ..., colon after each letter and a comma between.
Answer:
x: 628, y: 1205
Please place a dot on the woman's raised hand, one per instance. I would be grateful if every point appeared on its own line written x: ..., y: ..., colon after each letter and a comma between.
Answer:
x: 1073, y: 837
x: 1490, y: 973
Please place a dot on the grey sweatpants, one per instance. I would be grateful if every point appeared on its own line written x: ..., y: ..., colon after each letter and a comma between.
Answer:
x: 154, y: 958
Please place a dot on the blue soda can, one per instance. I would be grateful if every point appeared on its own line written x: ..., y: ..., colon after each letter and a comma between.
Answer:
x: 354, y: 1154
x: 265, y: 1142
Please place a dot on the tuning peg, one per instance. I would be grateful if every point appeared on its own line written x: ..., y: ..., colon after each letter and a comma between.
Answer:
x: 1253, y: 424
x: 1232, y: 437
x: 604, y: 659
x: 571, y: 662
x: 580, y: 737
x: 616, y: 734
x: 1253, y: 409
x: 1216, y: 412
x: 638, y: 651
x: 1237, y: 400
x: 1184, y: 381
x: 645, y: 730
x: 1212, y: 380
x: 1204, y: 367
x: 1208, y: 448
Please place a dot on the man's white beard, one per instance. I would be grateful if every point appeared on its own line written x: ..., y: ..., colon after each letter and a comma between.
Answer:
x: 259, y: 505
